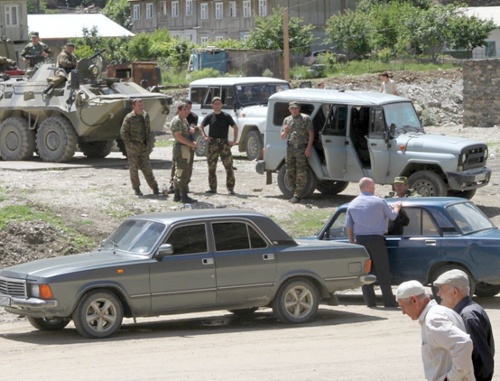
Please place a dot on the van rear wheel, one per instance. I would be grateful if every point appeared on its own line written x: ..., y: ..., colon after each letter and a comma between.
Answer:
x: 332, y: 187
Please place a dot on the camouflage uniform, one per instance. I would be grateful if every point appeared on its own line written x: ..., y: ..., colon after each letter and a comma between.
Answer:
x: 408, y: 193
x: 67, y: 61
x: 34, y: 53
x: 7, y: 64
x: 182, y: 155
x: 219, y: 146
x: 296, y: 160
x: 135, y: 132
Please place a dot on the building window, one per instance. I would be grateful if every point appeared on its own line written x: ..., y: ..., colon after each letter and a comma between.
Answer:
x: 219, y: 11
x: 204, y: 11
x: 149, y: 11
x: 164, y: 8
x: 246, y: 37
x: 175, y: 9
x: 189, y: 7
x: 232, y: 9
x: 263, y: 8
x: 247, y: 10
x: 137, y: 12
x: 203, y: 40
x: 11, y: 15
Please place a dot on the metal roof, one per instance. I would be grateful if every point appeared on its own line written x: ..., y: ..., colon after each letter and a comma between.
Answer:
x: 70, y: 25
x: 329, y: 96
x: 229, y: 81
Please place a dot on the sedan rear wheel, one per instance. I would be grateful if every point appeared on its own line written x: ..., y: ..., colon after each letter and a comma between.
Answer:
x: 296, y: 302
x: 487, y: 290
x: 99, y: 314
x: 48, y: 324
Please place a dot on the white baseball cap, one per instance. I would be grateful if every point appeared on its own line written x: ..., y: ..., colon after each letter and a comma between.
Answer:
x: 410, y: 288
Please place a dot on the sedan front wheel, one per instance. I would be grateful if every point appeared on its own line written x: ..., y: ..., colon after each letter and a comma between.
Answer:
x: 99, y: 314
x: 296, y: 302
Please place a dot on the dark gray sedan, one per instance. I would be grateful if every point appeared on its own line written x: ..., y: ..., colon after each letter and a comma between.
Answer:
x: 179, y: 262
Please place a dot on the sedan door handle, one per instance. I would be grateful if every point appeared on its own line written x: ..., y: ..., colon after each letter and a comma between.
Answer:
x: 430, y: 242
x: 207, y: 261
x: 268, y: 257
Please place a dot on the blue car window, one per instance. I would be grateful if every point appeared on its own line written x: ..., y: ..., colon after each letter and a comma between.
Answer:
x: 469, y: 218
x: 337, y: 230
x: 421, y: 223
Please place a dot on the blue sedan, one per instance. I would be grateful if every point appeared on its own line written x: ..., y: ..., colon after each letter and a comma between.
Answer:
x: 443, y: 233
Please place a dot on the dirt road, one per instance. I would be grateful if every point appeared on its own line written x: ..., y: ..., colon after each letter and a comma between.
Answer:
x: 346, y: 342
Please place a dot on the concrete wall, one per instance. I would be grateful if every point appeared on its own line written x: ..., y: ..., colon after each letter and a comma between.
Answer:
x: 481, y: 80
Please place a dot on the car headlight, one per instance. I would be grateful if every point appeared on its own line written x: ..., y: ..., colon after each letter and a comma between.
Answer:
x: 42, y: 291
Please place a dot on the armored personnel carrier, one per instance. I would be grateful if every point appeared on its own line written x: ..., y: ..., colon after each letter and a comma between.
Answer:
x: 50, y: 113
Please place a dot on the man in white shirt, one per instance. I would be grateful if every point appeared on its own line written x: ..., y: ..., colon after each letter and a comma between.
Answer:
x: 388, y: 85
x: 446, y: 347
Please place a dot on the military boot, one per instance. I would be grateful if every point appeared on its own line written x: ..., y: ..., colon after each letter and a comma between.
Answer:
x: 185, y: 199
x: 177, y: 195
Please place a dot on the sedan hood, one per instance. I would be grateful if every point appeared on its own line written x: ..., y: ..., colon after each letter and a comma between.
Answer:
x: 69, y: 264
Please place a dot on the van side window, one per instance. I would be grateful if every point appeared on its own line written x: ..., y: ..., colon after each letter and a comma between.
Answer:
x: 211, y: 93
x: 377, y: 124
x: 198, y: 94
x: 336, y: 121
x: 228, y: 97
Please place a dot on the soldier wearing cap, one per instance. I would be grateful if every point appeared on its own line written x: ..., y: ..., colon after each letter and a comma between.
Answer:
x: 35, y: 52
x: 219, y: 145
x: 400, y: 188
x: 66, y: 59
x: 298, y: 130
x: 446, y: 346
x: 454, y: 291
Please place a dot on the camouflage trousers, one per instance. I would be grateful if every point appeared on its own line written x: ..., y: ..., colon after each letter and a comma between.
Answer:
x: 296, y: 169
x: 223, y: 149
x: 138, y: 158
x: 182, y: 158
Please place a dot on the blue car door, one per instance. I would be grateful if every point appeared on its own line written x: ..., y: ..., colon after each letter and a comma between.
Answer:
x: 411, y: 253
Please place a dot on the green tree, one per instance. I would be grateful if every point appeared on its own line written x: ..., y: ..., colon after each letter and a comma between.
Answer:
x: 268, y: 33
x: 468, y: 32
x: 119, y: 12
x: 350, y: 33
x: 37, y: 7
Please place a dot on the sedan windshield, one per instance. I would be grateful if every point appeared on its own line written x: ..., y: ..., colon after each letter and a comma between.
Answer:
x: 135, y: 236
x: 469, y: 218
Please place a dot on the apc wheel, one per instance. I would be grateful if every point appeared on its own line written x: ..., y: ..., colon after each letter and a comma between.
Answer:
x: 468, y: 194
x: 285, y: 188
x: 244, y: 311
x: 202, y: 144
x: 428, y: 184
x: 56, y: 140
x: 48, y: 324
x: 17, y: 141
x: 96, y: 150
x: 332, y: 187
x: 296, y: 302
x: 443, y: 269
x: 254, y: 145
x: 99, y: 314
x: 486, y: 290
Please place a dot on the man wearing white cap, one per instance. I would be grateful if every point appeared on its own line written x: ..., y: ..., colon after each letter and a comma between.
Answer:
x: 453, y: 289
x: 446, y: 347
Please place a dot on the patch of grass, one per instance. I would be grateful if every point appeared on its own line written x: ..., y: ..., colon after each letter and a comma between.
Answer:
x: 304, y: 223
x: 23, y: 213
x: 164, y: 143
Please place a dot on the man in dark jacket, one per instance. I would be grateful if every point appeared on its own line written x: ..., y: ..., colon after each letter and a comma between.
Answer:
x: 453, y: 289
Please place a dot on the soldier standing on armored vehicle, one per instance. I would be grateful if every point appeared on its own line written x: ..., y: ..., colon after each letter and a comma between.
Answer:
x: 66, y: 59
x: 35, y: 52
x: 135, y: 133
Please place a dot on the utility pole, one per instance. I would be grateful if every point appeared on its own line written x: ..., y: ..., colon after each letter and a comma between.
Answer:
x: 286, y: 47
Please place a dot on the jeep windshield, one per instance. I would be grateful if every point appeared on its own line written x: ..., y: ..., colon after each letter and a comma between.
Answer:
x: 403, y: 116
x: 134, y: 236
x: 258, y: 94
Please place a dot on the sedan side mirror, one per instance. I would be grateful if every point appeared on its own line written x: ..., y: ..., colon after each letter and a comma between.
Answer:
x: 164, y: 250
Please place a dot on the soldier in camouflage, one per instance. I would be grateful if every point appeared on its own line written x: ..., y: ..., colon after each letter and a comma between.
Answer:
x: 183, y: 154
x: 219, y: 145
x: 400, y: 186
x: 35, y: 52
x: 7, y: 64
x: 299, y: 132
x: 136, y: 134
x: 66, y: 59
